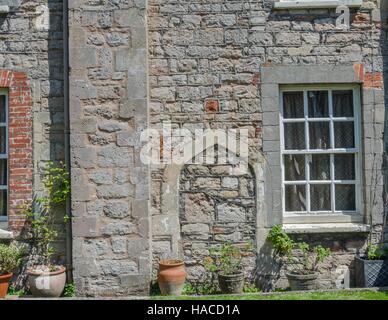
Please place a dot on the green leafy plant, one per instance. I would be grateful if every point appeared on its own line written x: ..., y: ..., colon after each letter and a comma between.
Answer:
x: 69, y: 290
x: 284, y: 246
x: 12, y: 291
x: 225, y: 259
x: 10, y: 258
x: 376, y: 252
x: 40, y: 214
x: 251, y: 288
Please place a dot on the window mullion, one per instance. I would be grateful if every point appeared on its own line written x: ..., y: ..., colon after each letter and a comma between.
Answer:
x: 307, y: 157
x: 332, y: 168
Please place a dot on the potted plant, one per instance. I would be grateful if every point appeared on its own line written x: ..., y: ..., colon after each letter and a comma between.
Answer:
x: 226, y: 262
x: 48, y: 279
x: 171, y: 276
x: 10, y: 258
x: 371, y: 270
x: 302, y: 259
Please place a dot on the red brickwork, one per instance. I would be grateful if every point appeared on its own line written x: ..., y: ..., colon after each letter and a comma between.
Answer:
x: 20, y: 144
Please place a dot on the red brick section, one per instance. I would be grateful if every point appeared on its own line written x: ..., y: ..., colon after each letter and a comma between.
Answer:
x: 373, y: 80
x: 20, y: 144
x: 212, y: 106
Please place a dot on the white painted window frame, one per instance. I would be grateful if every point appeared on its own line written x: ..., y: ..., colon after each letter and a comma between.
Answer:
x: 4, y: 92
x: 324, y: 216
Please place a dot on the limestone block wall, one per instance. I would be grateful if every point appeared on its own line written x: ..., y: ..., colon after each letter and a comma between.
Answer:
x: 215, y: 208
x: 205, y: 72
x: 31, y: 50
x: 108, y: 110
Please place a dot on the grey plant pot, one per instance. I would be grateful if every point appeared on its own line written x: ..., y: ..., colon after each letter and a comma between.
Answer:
x: 231, y: 283
x: 303, y: 281
x: 370, y: 273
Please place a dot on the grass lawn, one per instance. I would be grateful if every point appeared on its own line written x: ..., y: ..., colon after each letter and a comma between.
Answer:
x: 331, y: 295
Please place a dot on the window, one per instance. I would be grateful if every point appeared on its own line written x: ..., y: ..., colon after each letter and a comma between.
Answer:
x: 320, y: 150
x: 3, y: 155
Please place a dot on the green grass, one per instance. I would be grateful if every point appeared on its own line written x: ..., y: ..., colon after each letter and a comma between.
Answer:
x: 332, y: 295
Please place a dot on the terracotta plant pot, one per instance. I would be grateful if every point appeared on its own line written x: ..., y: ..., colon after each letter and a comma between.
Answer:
x: 47, y: 284
x: 232, y: 283
x: 4, y: 284
x: 171, y: 277
x: 303, y: 281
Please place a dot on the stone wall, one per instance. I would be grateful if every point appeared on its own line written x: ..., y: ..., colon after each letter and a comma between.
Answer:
x: 205, y: 62
x: 215, y: 208
x: 108, y: 110
x: 32, y: 47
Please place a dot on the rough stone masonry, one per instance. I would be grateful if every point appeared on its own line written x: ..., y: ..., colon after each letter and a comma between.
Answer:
x: 201, y: 64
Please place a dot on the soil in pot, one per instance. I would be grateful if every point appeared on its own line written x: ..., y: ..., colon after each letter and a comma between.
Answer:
x: 171, y: 277
x: 49, y: 284
x: 233, y: 283
x: 303, y: 281
x: 4, y: 284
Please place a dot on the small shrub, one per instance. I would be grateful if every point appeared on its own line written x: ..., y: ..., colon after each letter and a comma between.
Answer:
x: 15, y: 292
x: 69, y: 290
x: 251, y: 288
x: 284, y: 246
x: 10, y: 258
x: 376, y: 252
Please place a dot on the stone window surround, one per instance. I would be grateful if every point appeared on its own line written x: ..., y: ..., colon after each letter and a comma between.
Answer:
x: 272, y: 78
x: 20, y: 162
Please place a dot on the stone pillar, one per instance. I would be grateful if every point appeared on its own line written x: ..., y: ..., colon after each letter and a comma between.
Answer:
x: 108, y: 110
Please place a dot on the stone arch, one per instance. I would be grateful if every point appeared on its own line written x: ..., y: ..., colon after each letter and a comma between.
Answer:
x: 170, y: 203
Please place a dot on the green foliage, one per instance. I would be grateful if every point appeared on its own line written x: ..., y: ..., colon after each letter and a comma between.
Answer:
x: 15, y: 292
x: 312, y: 256
x: 154, y: 289
x: 225, y: 259
x: 251, y: 288
x: 10, y: 258
x: 69, y: 290
x: 376, y: 252
x: 40, y: 214
x: 189, y: 289
x: 280, y: 241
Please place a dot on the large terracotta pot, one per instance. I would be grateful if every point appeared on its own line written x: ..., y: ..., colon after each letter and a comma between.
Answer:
x: 171, y: 277
x: 47, y: 284
x: 4, y: 284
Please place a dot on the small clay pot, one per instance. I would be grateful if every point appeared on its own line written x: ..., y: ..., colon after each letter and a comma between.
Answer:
x: 171, y: 277
x: 47, y: 284
x: 4, y: 284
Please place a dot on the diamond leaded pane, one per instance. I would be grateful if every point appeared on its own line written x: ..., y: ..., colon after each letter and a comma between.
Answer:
x: 294, y: 166
x: 293, y: 106
x: 318, y: 104
x: 294, y: 136
x: 320, y: 197
x: 320, y: 167
x: 345, y: 197
x: 295, y: 197
x: 343, y: 103
x: 344, y: 134
x: 319, y: 135
x: 344, y: 167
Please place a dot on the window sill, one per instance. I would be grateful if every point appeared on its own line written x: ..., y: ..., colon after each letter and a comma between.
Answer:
x: 5, y: 235
x: 326, y: 228
x: 316, y: 4
x: 4, y: 9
